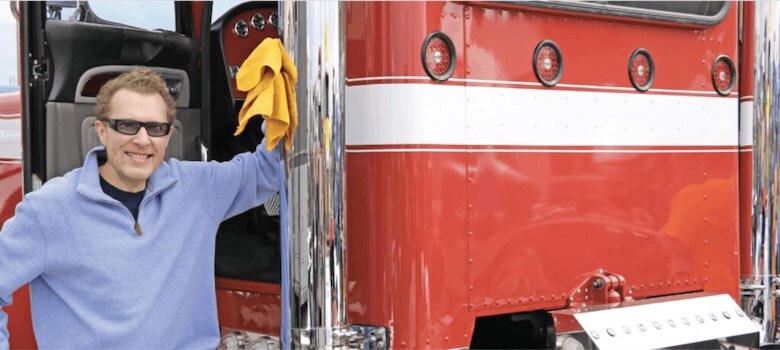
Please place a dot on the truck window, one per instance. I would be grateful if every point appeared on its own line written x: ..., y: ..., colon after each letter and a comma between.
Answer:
x: 706, y: 13
x: 219, y: 8
x: 146, y: 14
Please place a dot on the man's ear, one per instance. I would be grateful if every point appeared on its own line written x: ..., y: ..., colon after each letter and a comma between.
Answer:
x: 102, y: 130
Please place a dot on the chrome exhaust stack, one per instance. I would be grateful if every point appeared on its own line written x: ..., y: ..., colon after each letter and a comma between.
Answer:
x: 314, y: 296
x: 759, y: 290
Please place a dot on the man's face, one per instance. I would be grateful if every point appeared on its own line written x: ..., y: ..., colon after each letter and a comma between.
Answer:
x: 133, y: 158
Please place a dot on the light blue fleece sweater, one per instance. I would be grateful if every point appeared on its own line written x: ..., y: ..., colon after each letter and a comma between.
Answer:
x: 96, y: 284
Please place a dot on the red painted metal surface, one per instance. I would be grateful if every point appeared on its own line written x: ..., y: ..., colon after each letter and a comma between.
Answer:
x: 10, y: 105
x: 745, y: 211
x: 746, y: 65
x: 250, y: 306
x: 197, y: 18
x: 587, y: 60
x: 19, y: 319
x: 406, y: 247
x: 667, y: 222
x: 532, y: 233
x: 499, y: 44
x: 438, y: 238
x: 385, y: 38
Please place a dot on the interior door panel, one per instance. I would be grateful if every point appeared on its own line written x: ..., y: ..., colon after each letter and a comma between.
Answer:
x: 77, y: 47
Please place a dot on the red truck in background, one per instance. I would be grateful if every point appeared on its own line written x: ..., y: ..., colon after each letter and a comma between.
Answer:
x: 466, y: 174
x: 10, y: 195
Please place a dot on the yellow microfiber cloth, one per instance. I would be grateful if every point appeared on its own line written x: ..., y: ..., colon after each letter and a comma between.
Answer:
x: 269, y: 76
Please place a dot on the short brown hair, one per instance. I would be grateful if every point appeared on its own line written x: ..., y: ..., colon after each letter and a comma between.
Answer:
x: 140, y: 80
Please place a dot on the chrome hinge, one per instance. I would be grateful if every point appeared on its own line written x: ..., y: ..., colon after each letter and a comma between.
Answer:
x: 204, y: 151
x: 243, y: 340
x: 40, y: 70
x: 368, y: 337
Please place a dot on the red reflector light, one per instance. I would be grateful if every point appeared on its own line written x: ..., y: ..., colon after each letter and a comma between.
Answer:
x: 438, y: 56
x: 548, y: 63
x: 723, y: 75
x: 641, y: 71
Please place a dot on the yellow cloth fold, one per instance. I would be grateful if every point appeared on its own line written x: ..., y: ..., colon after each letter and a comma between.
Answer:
x: 269, y: 76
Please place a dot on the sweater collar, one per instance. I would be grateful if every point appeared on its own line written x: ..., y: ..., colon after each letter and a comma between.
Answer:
x: 89, y: 180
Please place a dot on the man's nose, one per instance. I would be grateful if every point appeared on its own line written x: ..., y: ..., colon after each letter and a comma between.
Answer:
x: 142, y: 137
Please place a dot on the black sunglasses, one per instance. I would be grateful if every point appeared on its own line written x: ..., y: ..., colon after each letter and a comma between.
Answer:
x: 131, y: 127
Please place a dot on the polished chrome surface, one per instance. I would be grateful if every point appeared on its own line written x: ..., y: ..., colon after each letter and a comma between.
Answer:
x: 233, y: 71
x: 243, y: 340
x: 258, y: 21
x: 570, y: 342
x: 241, y: 28
x: 314, y: 35
x: 274, y: 19
x: 36, y: 182
x: 204, y: 152
x: 617, y: 326
x: 759, y: 298
x: 368, y: 337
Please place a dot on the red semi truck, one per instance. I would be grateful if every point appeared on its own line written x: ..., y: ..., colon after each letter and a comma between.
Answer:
x: 465, y: 174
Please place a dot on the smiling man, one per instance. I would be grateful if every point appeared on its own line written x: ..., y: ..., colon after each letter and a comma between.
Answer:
x: 120, y: 252
x: 132, y: 158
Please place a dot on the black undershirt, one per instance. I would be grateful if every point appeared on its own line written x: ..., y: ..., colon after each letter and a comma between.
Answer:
x: 129, y: 199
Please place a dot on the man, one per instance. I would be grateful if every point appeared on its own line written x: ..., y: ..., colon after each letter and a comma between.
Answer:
x: 120, y: 253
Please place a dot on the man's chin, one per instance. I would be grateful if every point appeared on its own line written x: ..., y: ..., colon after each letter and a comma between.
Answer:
x: 139, y: 175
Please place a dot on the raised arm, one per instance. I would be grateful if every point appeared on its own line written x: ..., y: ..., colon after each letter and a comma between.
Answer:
x: 244, y: 182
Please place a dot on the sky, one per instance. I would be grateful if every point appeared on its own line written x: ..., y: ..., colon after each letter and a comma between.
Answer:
x: 8, y: 60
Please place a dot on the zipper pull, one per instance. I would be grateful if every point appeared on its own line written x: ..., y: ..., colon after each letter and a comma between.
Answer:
x: 138, y: 228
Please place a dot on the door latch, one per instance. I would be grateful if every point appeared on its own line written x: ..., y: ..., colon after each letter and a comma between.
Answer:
x: 40, y: 70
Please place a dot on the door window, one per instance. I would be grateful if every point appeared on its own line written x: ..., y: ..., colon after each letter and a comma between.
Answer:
x: 146, y: 14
